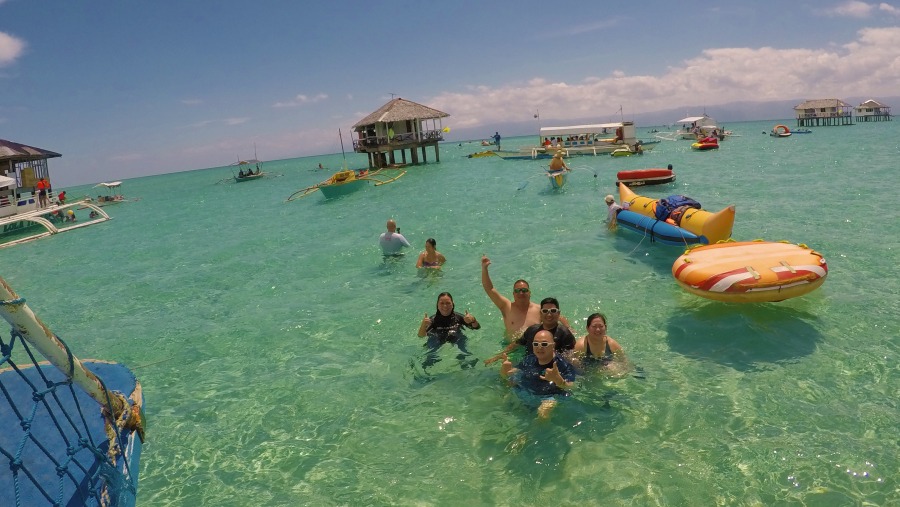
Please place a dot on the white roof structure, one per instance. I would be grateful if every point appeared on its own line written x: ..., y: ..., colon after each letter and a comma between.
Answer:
x: 112, y: 184
x: 692, y: 119
x: 7, y: 182
x: 578, y: 129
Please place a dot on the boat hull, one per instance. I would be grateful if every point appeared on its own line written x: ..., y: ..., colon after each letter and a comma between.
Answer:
x: 558, y: 179
x: 641, y: 177
x: 709, y: 227
x: 750, y: 271
x: 340, y: 189
x: 57, y: 439
x: 241, y: 179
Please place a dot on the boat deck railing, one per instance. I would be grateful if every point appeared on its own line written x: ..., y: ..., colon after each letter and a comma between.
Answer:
x: 48, y: 227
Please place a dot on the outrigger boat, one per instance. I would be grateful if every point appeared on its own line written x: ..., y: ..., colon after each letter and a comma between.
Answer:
x: 248, y: 174
x: 596, y: 139
x: 348, y: 181
x: 22, y: 218
x: 112, y: 196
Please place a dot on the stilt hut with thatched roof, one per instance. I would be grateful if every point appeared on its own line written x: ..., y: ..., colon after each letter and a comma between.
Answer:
x: 872, y: 110
x: 399, y: 125
x: 823, y: 113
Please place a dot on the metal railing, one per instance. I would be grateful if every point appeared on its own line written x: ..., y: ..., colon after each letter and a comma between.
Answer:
x: 399, y: 139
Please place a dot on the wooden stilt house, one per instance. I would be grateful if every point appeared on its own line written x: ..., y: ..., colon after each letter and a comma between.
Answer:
x: 824, y: 112
x: 398, y: 126
x: 872, y: 110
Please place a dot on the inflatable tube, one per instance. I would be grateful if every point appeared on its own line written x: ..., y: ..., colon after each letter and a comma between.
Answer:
x: 780, y: 131
x: 750, y: 271
x: 708, y: 227
x: 705, y: 145
x: 656, y: 230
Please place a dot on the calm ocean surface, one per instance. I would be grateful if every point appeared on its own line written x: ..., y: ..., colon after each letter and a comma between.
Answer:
x: 280, y: 363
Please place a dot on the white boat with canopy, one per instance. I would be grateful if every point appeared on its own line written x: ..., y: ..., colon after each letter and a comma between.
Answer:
x: 592, y: 139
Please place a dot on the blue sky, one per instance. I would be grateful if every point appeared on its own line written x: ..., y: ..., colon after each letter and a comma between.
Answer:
x: 125, y: 89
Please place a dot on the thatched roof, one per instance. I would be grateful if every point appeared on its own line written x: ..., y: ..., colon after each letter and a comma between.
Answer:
x: 400, y: 110
x: 822, y: 103
x: 20, y: 152
x: 872, y: 103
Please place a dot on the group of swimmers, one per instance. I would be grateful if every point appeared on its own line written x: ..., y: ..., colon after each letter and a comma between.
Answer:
x: 553, y: 357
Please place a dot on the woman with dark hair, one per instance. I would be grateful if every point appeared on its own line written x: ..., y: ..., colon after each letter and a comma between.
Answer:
x: 445, y: 326
x: 431, y: 258
x: 596, y: 347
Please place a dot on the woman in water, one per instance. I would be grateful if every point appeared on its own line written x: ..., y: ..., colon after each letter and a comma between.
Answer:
x: 430, y: 258
x: 596, y: 347
x: 445, y: 326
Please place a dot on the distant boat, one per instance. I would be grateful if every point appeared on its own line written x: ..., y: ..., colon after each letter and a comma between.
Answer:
x: 348, y: 181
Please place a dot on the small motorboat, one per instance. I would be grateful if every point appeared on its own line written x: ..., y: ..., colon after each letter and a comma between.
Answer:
x: 640, y: 177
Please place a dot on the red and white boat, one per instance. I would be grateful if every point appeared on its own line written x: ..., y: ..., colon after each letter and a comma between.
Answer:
x: 639, y: 177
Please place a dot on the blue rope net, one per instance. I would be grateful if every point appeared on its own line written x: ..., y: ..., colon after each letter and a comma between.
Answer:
x: 57, y: 454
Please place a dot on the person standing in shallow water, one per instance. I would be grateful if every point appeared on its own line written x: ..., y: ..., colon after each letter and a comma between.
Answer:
x: 446, y: 326
x: 497, y: 139
x: 392, y: 242
x: 542, y: 373
x: 518, y: 313
x: 431, y: 258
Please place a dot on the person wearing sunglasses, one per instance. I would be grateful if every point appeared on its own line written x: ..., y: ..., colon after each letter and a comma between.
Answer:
x: 543, y: 373
x: 550, y: 321
x: 517, y: 314
x: 445, y: 326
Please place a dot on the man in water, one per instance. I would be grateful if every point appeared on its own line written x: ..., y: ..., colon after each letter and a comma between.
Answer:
x: 557, y: 163
x: 613, y: 212
x: 392, y: 241
x: 497, y: 139
x: 550, y: 321
x: 542, y: 373
x: 518, y: 313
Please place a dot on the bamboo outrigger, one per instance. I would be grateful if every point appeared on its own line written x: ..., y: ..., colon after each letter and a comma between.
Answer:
x: 347, y: 181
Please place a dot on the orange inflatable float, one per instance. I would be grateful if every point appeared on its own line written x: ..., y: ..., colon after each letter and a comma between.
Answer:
x: 750, y: 271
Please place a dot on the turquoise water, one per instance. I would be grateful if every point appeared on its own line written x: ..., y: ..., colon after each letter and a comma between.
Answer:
x: 279, y: 357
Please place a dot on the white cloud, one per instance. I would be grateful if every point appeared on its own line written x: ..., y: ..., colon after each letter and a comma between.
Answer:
x: 300, y: 100
x: 11, y: 48
x: 890, y: 9
x: 851, y: 8
x: 869, y: 65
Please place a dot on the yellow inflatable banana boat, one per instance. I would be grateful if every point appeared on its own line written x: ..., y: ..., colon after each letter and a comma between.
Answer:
x: 750, y: 271
x: 709, y: 227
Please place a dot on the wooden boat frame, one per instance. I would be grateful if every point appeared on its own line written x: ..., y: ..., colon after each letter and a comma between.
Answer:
x: 379, y: 177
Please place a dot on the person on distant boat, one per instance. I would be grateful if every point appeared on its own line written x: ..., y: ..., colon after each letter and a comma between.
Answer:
x: 61, y: 197
x: 392, y: 242
x: 596, y: 347
x: 240, y: 173
x: 70, y: 216
x: 431, y: 258
x: 547, y: 141
x: 446, y: 325
x: 42, y: 186
x: 497, y: 139
x: 557, y: 163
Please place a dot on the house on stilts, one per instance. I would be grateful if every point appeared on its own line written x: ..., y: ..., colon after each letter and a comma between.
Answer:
x: 823, y: 113
x: 872, y: 110
x: 398, y: 126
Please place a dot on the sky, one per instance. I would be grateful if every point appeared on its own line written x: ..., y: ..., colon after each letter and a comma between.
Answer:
x: 125, y: 89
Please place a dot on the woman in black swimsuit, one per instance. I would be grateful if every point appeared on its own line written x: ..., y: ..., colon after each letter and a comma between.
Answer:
x: 596, y: 347
x: 446, y: 325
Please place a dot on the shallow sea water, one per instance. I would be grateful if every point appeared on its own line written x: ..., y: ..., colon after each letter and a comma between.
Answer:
x: 278, y: 353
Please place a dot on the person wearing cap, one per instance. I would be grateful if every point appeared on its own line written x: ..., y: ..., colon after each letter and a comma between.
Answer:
x: 557, y: 163
x: 613, y: 212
